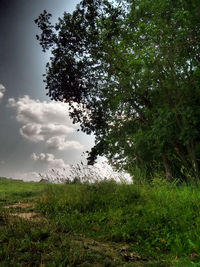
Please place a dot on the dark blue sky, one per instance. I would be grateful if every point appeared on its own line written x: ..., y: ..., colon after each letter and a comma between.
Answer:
x: 20, y: 55
x: 25, y: 143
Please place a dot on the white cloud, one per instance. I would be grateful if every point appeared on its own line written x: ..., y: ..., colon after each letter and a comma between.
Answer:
x: 36, y: 111
x: 60, y: 143
x: 31, y: 131
x: 44, y: 121
x: 26, y: 176
x: 50, y: 160
x: 37, y: 132
x: 2, y: 91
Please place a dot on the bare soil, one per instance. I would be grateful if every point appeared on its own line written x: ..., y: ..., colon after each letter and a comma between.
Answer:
x: 109, y: 250
x: 20, y: 205
x: 29, y: 215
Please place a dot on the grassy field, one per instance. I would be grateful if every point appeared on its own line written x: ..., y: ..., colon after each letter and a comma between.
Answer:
x: 103, y: 224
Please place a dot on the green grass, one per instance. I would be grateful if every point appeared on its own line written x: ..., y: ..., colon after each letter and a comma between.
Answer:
x: 87, y: 224
x: 16, y: 191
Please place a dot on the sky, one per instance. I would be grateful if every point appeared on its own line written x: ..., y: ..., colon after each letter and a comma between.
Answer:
x: 35, y: 133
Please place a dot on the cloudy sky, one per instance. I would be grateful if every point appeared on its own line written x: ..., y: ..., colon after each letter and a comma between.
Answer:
x: 35, y: 133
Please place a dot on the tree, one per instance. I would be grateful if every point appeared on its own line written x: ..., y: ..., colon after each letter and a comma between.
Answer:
x: 130, y: 71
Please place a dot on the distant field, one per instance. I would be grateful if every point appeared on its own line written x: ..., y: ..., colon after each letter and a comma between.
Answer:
x: 104, y: 224
x: 12, y: 191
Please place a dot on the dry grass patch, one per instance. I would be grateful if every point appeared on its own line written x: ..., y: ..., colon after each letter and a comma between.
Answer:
x: 29, y: 215
x: 20, y: 205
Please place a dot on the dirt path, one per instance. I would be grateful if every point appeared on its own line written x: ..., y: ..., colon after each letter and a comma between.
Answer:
x: 29, y: 215
x: 20, y: 205
x: 117, y: 254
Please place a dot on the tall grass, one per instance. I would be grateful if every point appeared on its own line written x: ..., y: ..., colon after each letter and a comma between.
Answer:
x: 158, y: 220
x: 83, y: 173
x: 155, y: 219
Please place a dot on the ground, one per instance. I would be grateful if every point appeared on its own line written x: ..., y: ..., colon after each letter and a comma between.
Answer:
x: 81, y: 225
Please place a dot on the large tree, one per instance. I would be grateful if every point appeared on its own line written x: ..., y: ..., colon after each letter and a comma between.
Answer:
x: 130, y: 71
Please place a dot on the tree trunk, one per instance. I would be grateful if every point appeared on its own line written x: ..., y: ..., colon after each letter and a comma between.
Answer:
x: 192, y: 156
x: 167, y: 165
x: 179, y: 149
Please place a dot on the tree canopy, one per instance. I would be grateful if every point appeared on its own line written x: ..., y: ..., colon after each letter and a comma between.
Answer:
x: 130, y: 71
